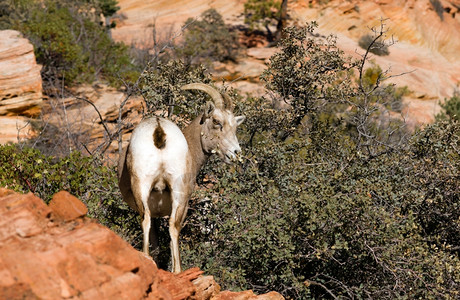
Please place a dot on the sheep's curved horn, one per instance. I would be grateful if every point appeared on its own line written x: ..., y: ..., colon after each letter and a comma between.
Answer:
x: 215, y: 95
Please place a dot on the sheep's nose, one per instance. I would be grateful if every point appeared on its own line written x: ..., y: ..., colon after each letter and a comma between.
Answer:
x: 237, y: 151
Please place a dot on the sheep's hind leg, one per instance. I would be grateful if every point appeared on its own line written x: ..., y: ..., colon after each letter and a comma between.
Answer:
x: 146, y: 223
x: 179, y: 211
x: 142, y: 192
x: 154, y: 232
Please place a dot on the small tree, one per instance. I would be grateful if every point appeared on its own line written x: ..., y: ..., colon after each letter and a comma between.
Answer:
x: 266, y: 13
x: 208, y: 39
x: 162, y: 88
x: 309, y: 73
x: 450, y: 108
x: 367, y: 42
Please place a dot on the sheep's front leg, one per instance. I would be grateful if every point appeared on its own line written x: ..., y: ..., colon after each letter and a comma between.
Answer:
x: 178, y: 213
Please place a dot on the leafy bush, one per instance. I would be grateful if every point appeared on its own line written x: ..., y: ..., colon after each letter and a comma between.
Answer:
x: 317, y: 209
x: 208, y: 39
x: 162, y: 88
x: 309, y: 73
x: 310, y: 218
x: 450, y: 108
x: 313, y: 75
x: 69, y: 40
x: 378, y: 47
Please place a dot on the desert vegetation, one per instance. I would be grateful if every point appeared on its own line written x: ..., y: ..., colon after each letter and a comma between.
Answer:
x: 70, y: 40
x: 333, y: 196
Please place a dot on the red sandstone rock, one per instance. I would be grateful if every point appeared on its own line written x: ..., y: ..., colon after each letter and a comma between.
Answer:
x: 206, y: 287
x: 67, y: 207
x: 4, y: 192
x: 228, y: 295
x: 76, y: 258
x: 179, y: 288
x: 20, y: 86
x: 246, y: 295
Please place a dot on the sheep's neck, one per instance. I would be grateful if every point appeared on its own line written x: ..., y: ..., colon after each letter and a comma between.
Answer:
x: 198, y: 157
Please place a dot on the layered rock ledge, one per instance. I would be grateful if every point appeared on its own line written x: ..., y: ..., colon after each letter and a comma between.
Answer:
x: 20, y: 86
x: 20, y: 80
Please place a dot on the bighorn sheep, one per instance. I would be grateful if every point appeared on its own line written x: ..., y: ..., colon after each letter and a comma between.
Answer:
x: 158, y: 169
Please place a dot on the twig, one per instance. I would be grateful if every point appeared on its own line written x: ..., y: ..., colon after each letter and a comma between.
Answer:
x: 311, y: 282
x: 99, y: 114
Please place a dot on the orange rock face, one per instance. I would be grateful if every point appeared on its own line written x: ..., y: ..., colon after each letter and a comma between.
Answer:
x: 138, y: 17
x: 20, y: 86
x: 55, y: 252
x: 20, y: 80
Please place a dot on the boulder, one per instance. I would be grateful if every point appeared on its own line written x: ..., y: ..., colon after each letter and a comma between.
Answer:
x: 206, y: 287
x: 67, y: 207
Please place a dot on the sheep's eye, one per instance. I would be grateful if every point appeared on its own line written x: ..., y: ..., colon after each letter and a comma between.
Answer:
x: 216, y: 123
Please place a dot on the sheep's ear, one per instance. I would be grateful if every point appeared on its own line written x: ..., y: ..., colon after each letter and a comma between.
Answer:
x: 208, y: 110
x: 239, y: 120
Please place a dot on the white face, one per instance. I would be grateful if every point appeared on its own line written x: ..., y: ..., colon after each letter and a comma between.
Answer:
x: 219, y: 134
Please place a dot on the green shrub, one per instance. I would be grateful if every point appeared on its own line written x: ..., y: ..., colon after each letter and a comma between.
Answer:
x: 162, y: 88
x: 309, y: 213
x: 208, y: 39
x: 317, y: 209
x: 313, y: 76
x: 69, y: 40
x: 450, y: 108
x: 308, y: 73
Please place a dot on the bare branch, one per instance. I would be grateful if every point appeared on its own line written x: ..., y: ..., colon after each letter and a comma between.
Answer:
x: 311, y: 282
x: 98, y: 113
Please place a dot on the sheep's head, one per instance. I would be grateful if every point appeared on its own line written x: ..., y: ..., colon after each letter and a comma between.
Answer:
x: 218, y: 124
